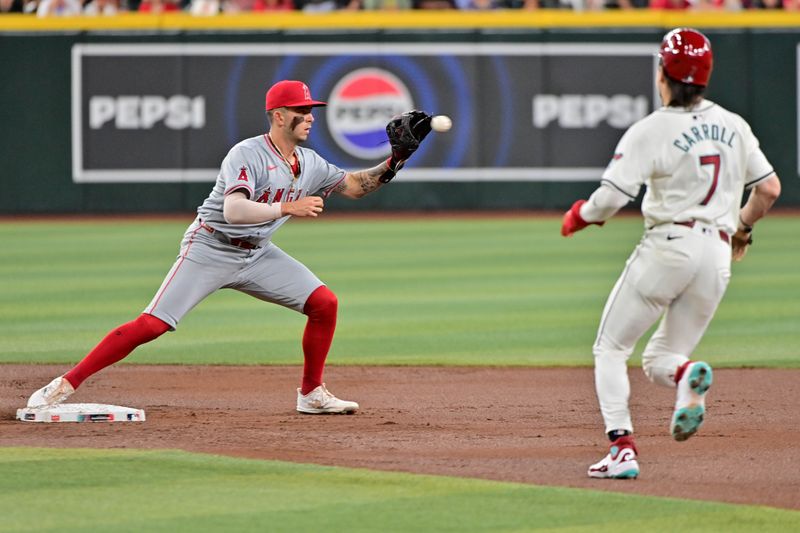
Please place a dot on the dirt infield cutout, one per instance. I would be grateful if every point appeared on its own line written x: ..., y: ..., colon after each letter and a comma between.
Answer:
x: 527, y: 425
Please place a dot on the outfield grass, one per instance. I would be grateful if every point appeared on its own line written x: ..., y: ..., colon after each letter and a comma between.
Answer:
x: 124, y: 490
x: 430, y: 291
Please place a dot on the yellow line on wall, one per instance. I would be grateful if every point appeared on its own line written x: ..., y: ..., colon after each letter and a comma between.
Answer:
x: 446, y: 20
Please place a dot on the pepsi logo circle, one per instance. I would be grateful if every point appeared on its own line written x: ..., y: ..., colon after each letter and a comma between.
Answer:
x: 359, y: 107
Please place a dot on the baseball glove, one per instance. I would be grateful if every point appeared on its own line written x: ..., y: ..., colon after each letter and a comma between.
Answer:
x: 405, y: 133
x: 740, y: 242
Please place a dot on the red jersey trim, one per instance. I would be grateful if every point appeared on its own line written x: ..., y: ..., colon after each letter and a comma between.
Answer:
x: 294, y: 169
x: 272, y: 148
x: 329, y: 190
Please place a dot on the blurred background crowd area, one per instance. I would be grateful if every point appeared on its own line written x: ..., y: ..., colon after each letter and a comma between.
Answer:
x: 55, y: 8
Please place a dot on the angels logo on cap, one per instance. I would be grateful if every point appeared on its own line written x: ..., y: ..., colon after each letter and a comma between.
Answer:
x: 361, y: 104
x: 290, y: 93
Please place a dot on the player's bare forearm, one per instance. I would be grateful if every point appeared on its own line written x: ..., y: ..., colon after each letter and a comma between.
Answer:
x: 360, y: 183
x: 760, y: 200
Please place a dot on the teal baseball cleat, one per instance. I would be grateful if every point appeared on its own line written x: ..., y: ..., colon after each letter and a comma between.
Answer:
x: 690, y: 405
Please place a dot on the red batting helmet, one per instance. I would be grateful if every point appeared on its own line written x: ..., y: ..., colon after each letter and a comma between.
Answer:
x: 686, y: 56
x: 290, y: 93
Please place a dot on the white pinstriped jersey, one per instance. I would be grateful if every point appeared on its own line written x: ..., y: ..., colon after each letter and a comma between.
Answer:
x: 256, y: 168
x: 696, y: 164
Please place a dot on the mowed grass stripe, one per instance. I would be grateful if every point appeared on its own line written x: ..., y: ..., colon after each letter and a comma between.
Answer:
x: 484, y: 291
x: 128, y: 490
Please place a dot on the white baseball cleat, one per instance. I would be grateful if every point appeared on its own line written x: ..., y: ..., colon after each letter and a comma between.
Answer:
x: 53, y: 393
x: 620, y: 463
x: 319, y: 401
x: 690, y: 405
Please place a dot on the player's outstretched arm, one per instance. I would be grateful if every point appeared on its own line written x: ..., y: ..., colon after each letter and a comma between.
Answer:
x: 602, y: 205
x: 360, y: 183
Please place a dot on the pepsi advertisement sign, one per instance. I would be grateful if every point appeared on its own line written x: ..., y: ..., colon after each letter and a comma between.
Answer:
x: 521, y: 112
x: 359, y: 107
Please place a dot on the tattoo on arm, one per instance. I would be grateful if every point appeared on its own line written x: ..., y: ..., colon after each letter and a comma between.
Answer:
x: 341, y: 187
x: 368, y: 180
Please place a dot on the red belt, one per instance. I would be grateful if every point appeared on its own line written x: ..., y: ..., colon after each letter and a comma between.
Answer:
x: 690, y: 224
x: 239, y: 243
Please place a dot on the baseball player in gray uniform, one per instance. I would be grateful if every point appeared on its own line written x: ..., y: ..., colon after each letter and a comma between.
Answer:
x: 262, y: 182
x: 696, y: 160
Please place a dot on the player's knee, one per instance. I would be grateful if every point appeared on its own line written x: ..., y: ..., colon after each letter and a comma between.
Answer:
x: 650, y: 364
x: 153, y: 326
x: 660, y: 368
x: 658, y: 374
x: 322, y: 303
x: 602, y: 352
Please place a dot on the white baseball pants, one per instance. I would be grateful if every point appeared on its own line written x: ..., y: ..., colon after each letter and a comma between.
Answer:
x: 675, y: 271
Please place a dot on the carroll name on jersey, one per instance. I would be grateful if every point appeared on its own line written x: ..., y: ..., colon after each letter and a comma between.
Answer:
x: 704, y: 132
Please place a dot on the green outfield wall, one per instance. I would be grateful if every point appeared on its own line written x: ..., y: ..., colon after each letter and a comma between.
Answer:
x: 134, y: 113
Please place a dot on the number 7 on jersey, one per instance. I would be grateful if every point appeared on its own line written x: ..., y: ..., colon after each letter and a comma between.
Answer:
x: 715, y: 161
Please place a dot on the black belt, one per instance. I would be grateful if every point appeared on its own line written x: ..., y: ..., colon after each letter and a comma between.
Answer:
x: 239, y: 243
x: 243, y: 244
x: 690, y: 224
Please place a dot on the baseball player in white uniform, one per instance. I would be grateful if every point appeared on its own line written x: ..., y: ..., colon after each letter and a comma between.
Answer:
x: 696, y: 160
x: 262, y: 182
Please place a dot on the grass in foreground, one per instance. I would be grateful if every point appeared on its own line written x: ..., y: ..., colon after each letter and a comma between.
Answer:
x: 433, y: 291
x: 123, y: 490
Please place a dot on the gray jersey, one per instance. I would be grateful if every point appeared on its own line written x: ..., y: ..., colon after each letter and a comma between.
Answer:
x: 257, y: 169
x: 207, y: 263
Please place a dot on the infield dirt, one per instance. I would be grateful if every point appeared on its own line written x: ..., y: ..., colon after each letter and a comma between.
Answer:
x: 526, y: 425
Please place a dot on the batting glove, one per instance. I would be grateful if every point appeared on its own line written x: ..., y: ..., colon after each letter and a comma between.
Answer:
x: 573, y: 221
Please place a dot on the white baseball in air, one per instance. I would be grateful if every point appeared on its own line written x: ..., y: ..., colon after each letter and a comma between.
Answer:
x: 441, y: 123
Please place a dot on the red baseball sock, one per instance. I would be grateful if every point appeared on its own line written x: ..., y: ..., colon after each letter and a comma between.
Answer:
x: 321, y: 310
x: 681, y: 370
x: 116, y: 345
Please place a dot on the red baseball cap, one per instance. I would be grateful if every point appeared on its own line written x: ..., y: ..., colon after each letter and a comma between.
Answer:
x: 290, y: 93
